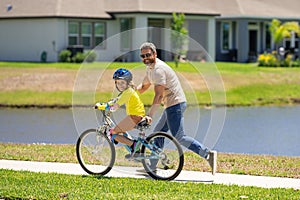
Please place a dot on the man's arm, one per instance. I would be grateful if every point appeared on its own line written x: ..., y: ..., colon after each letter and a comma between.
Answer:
x: 143, y: 86
x: 158, y: 89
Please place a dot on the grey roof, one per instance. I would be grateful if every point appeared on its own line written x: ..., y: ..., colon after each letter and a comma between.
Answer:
x: 161, y: 6
x: 107, y: 8
x: 53, y: 8
x: 259, y: 8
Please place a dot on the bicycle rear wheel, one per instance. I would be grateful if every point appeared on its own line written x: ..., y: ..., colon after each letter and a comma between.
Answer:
x: 95, y: 152
x: 163, y: 156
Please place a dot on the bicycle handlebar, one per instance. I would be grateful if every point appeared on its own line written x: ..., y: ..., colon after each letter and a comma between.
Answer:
x: 102, y: 106
x: 105, y: 106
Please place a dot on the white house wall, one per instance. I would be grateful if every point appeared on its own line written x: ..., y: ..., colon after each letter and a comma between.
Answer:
x: 202, y: 42
x: 26, y: 39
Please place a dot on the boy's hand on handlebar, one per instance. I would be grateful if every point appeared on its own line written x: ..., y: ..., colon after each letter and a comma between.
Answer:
x: 97, y: 105
x: 106, y: 106
x: 102, y: 106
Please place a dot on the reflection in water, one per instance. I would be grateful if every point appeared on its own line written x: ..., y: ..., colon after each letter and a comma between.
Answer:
x: 254, y: 130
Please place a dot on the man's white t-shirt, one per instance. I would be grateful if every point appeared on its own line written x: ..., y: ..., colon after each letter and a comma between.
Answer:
x: 162, y: 74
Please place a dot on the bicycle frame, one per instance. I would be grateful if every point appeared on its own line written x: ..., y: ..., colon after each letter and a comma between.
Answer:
x: 109, y: 123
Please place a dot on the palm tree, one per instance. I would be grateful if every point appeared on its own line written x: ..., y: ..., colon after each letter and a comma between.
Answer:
x: 280, y: 31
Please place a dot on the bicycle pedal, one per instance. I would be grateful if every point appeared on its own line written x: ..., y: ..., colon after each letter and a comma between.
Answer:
x: 133, y: 159
x: 166, y: 168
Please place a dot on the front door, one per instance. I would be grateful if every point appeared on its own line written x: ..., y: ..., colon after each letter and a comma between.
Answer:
x: 253, y: 40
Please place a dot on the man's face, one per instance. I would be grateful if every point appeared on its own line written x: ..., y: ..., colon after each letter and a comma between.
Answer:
x: 148, y: 57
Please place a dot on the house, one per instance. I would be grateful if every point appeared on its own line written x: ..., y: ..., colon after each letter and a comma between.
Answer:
x: 229, y: 30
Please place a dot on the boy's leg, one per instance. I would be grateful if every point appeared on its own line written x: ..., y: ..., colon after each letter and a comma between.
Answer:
x: 128, y: 123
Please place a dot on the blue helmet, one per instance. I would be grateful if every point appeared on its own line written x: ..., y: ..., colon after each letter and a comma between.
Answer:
x: 122, y: 74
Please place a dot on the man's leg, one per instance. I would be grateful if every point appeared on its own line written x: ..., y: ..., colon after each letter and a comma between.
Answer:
x: 175, y: 120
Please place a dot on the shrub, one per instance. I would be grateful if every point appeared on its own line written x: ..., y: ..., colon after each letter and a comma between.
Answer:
x: 268, y: 59
x: 296, y: 62
x: 90, y: 56
x: 78, y: 58
x: 65, y: 56
x: 272, y: 60
x: 288, y: 61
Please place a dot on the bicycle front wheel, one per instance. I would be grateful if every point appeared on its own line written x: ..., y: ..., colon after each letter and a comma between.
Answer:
x: 95, y: 152
x: 163, y: 156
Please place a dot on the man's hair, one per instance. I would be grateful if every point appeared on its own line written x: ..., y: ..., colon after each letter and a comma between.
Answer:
x: 148, y: 45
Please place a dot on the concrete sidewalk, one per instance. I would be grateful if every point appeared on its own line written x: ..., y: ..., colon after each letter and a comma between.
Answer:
x: 185, y: 176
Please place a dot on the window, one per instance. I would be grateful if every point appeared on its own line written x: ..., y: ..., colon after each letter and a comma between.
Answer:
x: 125, y: 25
x: 268, y: 38
x: 73, y: 33
x: 225, y: 36
x: 297, y: 42
x: 291, y: 43
x: 87, y: 34
x: 99, y: 33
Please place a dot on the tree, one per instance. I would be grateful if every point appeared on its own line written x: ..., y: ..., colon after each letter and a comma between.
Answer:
x: 178, y: 36
x: 280, y: 31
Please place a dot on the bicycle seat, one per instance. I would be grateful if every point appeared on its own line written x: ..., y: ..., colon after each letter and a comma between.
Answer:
x: 143, y: 124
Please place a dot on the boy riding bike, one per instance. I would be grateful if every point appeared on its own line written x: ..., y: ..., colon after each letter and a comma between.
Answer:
x: 134, y: 109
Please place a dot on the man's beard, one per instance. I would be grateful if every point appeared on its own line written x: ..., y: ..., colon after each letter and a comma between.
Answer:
x: 150, y: 62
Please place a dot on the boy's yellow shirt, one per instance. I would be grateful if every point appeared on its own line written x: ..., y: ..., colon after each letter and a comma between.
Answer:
x: 132, y: 101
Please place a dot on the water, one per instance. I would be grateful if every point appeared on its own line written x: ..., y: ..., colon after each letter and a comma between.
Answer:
x: 253, y: 130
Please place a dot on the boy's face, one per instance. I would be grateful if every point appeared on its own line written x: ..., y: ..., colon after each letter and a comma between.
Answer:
x: 121, y: 85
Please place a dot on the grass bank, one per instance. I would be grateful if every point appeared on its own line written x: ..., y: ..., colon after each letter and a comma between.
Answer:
x: 261, y: 165
x: 244, y: 84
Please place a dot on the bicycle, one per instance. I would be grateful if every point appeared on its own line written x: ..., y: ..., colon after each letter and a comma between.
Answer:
x: 160, y: 153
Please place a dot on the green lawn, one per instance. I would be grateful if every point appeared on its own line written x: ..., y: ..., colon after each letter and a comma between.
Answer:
x: 29, y: 185
x: 244, y: 84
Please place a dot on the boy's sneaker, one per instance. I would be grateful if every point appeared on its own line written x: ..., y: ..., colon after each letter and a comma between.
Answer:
x: 109, y: 134
x: 133, y: 154
x: 212, y: 161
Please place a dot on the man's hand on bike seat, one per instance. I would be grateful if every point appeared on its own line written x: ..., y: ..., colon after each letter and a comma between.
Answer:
x: 148, y: 119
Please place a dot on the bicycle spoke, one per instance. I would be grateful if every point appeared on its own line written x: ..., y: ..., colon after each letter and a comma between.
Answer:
x: 95, y: 152
x: 163, y: 157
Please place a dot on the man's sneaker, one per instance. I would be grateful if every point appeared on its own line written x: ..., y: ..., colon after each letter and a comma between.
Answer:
x: 143, y: 171
x: 212, y: 160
